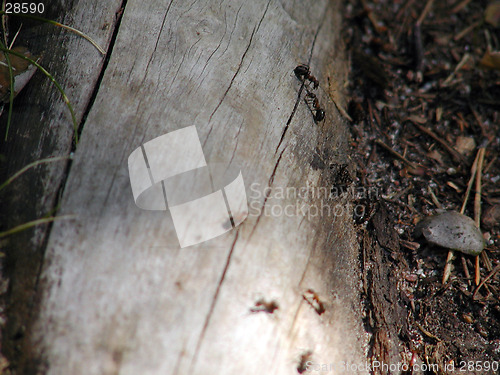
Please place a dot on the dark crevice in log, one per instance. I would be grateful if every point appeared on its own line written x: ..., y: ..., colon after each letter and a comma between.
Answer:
x: 214, y: 301
x: 101, y: 75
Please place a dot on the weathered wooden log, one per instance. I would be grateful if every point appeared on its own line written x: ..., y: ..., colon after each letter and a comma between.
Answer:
x: 117, y: 293
x: 41, y: 128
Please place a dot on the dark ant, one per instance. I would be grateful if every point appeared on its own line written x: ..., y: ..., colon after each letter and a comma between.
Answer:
x: 262, y: 305
x: 302, y: 72
x: 313, y: 299
x: 319, y: 113
x: 304, y: 362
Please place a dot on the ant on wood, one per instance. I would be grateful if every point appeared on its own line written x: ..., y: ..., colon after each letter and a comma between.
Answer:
x: 302, y: 72
x: 303, y: 361
x: 319, y: 113
x: 262, y: 305
x: 313, y: 299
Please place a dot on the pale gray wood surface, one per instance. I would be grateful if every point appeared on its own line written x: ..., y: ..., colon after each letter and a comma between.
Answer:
x: 41, y: 128
x: 118, y: 294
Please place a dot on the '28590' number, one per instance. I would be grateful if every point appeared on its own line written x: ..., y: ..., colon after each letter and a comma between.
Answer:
x: 24, y: 8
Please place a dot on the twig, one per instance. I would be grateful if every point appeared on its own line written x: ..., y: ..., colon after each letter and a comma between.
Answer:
x: 396, y: 195
x: 490, y: 164
x: 454, y: 186
x: 417, y: 35
x: 410, y: 245
x: 467, y: 30
x: 397, y: 154
x: 427, y: 333
x: 477, y: 206
x: 459, y: 66
x: 434, y: 198
x: 486, y: 260
x: 447, y: 266
x: 460, y: 6
x: 419, y: 51
x: 466, y: 269
x: 470, y: 183
x: 370, y: 115
x: 480, y: 123
x: 477, y: 271
x: 456, y: 155
x: 490, y: 275
x: 426, y: 10
x: 477, y: 197
x: 339, y: 108
x: 449, y: 258
x: 373, y: 19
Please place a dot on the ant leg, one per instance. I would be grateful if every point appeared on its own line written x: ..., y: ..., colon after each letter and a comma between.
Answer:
x: 313, y: 104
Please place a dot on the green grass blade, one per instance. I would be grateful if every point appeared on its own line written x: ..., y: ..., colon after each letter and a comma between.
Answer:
x: 32, y: 165
x: 33, y: 223
x: 77, y: 32
x: 63, y: 94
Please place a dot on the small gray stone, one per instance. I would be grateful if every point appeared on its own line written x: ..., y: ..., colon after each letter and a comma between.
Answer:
x: 452, y: 230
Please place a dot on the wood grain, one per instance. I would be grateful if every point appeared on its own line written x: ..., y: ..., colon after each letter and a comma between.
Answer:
x: 118, y: 295
x: 41, y: 127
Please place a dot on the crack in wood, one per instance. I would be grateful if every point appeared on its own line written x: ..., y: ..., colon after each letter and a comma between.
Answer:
x: 97, y: 86
x: 287, y: 125
x: 268, y: 192
x: 255, y: 29
x: 157, y: 40
x: 212, y: 305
